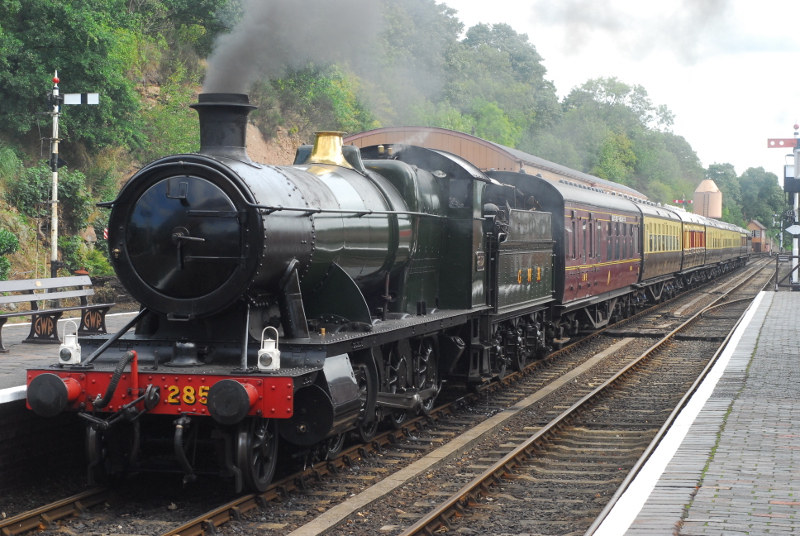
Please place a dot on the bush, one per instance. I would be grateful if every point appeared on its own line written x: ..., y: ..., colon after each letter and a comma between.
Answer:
x: 30, y: 193
x: 76, y: 255
x: 8, y: 244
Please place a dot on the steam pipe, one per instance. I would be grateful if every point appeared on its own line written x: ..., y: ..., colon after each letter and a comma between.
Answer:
x: 99, y: 402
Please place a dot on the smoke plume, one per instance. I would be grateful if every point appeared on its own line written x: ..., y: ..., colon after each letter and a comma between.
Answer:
x: 274, y: 35
x: 690, y: 29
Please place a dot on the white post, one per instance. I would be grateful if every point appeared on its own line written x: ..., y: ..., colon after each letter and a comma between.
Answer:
x: 54, y: 169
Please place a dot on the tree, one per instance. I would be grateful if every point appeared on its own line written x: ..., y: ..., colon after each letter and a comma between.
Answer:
x: 616, y: 158
x: 30, y: 193
x: 761, y: 195
x: 80, y: 40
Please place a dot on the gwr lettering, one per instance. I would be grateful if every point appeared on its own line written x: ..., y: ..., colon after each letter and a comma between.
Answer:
x: 43, y: 326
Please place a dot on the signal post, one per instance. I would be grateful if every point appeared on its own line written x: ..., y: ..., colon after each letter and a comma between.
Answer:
x: 791, y: 185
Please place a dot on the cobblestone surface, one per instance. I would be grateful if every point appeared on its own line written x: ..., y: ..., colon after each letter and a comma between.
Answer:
x: 737, y: 470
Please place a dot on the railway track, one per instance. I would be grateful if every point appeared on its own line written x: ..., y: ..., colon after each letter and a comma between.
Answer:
x: 296, y: 500
x: 566, y: 471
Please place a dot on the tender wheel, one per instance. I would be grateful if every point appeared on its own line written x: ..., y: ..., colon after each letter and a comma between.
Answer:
x: 516, y: 343
x: 498, y: 360
x: 257, y: 451
x: 498, y: 363
x: 426, y: 374
x: 108, y: 454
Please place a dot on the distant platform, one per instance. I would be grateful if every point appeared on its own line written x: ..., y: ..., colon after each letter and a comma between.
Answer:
x: 23, y: 356
x: 730, y: 462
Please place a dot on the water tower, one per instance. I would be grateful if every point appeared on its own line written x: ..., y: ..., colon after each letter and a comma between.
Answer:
x: 708, y: 200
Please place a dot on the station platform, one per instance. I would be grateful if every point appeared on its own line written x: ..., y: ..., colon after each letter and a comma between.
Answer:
x: 22, y: 356
x: 730, y: 463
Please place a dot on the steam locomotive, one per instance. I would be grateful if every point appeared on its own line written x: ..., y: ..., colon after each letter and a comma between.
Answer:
x: 298, y: 304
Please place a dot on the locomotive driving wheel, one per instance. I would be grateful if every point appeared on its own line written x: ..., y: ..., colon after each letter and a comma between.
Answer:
x: 369, y: 416
x: 426, y: 375
x: 257, y: 451
x: 397, y: 379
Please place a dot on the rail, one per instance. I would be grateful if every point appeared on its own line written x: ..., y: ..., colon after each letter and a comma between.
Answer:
x: 439, y: 518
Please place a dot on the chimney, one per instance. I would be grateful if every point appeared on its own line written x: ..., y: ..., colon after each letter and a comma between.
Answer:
x: 223, y: 124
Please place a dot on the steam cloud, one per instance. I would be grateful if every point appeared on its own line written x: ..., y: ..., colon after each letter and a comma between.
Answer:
x: 274, y: 35
x: 694, y: 28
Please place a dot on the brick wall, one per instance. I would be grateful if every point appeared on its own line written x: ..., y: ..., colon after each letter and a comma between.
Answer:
x: 33, y: 446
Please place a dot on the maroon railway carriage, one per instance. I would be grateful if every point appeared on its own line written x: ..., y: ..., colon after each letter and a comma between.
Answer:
x: 597, y: 257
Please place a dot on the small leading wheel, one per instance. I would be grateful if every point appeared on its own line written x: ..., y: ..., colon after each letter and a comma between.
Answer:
x: 257, y: 451
x: 108, y: 454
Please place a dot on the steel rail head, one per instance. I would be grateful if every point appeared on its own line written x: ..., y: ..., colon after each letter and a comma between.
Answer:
x: 32, y: 519
x: 633, y: 473
x: 529, y: 445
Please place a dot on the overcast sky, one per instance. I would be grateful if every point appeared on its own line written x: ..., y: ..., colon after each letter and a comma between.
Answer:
x: 728, y: 69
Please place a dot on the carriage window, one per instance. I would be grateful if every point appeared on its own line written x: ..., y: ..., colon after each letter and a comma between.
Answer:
x: 583, y: 242
x: 574, y: 239
x: 616, y: 241
x: 630, y: 241
x: 599, y: 232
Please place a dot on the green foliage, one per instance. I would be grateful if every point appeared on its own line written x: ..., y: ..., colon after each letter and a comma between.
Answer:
x: 80, y: 40
x: 313, y: 98
x: 5, y: 268
x: 8, y: 244
x: 31, y: 191
x: 10, y: 163
x: 613, y: 130
x: 171, y: 126
x: 493, y: 124
x: 616, y: 158
x: 442, y: 115
x: 77, y: 255
x: 490, y: 83
x: 755, y: 195
x: 761, y: 195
